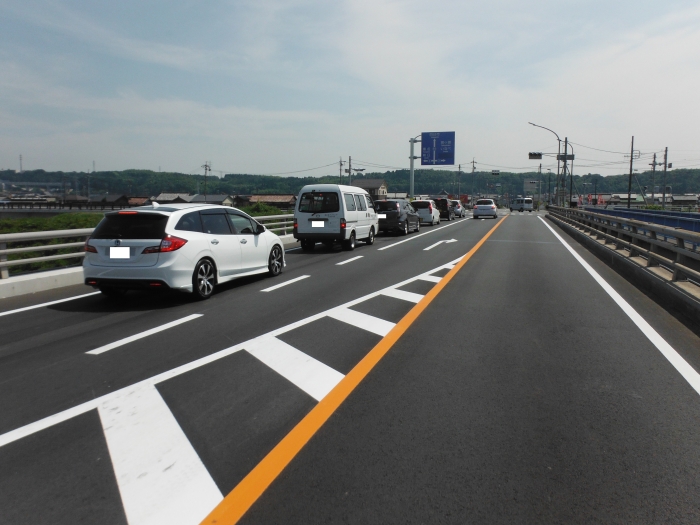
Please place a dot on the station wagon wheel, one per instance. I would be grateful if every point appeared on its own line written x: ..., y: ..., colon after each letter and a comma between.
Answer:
x: 203, y: 279
x: 275, y: 263
x: 405, y: 228
x: 417, y: 227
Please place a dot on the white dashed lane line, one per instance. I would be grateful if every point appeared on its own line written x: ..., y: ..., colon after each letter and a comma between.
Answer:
x: 126, y: 340
x: 349, y: 260
x: 285, y: 283
x: 18, y: 310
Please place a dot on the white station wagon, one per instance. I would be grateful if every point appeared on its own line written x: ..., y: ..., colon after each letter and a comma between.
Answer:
x: 185, y: 247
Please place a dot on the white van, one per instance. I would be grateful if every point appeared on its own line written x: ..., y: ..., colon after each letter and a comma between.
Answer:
x: 332, y: 213
x: 521, y: 204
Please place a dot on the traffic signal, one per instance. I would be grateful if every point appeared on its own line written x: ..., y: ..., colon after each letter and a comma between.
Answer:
x: 534, y: 155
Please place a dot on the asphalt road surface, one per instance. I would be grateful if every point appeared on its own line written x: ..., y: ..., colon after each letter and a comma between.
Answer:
x: 525, y: 383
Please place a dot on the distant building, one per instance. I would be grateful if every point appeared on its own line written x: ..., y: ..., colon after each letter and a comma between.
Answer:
x: 377, y: 188
x: 282, y: 201
x: 220, y: 200
x: 139, y: 201
x: 397, y: 195
x: 172, y: 198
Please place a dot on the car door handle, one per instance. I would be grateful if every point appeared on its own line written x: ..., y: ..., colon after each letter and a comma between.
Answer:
x: 215, y: 241
x: 244, y: 241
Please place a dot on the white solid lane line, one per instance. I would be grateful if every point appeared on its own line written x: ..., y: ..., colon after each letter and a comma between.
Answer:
x: 680, y: 364
x: 47, y: 304
x: 126, y: 340
x: 312, y: 376
x: 349, y: 260
x: 420, y: 235
x: 285, y: 283
x: 160, y: 477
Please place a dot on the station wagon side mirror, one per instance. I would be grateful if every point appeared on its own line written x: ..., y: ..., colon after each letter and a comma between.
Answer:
x: 259, y: 228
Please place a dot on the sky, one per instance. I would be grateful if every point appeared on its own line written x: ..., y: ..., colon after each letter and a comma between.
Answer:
x: 290, y: 87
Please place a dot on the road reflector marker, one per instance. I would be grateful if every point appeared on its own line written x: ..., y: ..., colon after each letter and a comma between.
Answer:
x: 246, y: 493
x: 126, y: 340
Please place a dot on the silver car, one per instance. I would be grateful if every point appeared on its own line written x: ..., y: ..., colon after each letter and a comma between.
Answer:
x: 186, y: 247
x: 484, y: 208
x: 460, y: 210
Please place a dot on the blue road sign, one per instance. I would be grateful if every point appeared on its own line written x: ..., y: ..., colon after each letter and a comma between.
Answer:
x: 438, y: 148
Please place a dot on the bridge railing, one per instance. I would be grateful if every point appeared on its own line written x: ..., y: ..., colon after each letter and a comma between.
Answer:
x: 280, y: 224
x: 675, y: 250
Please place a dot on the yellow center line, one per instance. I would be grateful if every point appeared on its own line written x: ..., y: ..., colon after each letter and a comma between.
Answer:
x: 246, y: 493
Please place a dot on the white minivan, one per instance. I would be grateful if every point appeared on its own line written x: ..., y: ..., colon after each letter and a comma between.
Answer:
x: 331, y: 213
x: 521, y: 204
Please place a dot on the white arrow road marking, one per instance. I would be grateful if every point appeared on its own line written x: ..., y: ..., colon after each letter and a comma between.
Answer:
x: 439, y: 242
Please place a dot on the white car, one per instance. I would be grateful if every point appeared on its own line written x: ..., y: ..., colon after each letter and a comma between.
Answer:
x: 428, y: 212
x: 185, y: 247
x: 484, y: 208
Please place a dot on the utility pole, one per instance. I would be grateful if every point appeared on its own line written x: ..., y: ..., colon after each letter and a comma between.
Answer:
x: 340, y: 170
x: 653, y: 176
x: 20, y: 164
x: 665, y: 166
x: 629, y: 185
x: 539, y: 197
x: 207, y: 169
x: 349, y: 171
x: 93, y: 166
x: 412, y: 157
x: 459, y: 183
x: 566, y: 167
x: 473, y: 170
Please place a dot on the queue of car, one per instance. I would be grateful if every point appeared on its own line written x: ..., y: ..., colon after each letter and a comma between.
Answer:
x: 196, y: 247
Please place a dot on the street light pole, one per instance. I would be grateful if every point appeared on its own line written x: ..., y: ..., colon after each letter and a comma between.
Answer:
x: 558, y: 155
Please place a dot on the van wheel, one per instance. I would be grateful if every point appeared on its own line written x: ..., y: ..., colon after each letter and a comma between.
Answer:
x: 203, y: 279
x: 349, y: 244
x: 275, y: 261
x: 307, y: 245
x: 369, y: 241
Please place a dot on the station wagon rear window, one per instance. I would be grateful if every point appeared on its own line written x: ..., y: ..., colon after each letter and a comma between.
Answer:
x: 387, y: 205
x: 131, y: 226
x: 484, y: 202
x: 319, y: 202
x: 420, y: 204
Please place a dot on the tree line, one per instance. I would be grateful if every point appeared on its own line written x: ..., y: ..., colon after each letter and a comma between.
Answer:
x: 149, y: 183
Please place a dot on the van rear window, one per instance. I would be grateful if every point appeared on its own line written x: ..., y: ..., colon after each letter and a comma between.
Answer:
x: 319, y: 202
x: 131, y: 226
x: 528, y: 201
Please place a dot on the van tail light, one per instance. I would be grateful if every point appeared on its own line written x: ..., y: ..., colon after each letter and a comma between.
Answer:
x: 89, y: 247
x: 343, y: 224
x: 169, y: 244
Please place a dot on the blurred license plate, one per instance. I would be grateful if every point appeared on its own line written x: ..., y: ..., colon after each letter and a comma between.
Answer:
x: 381, y: 216
x: 118, y: 252
x: 317, y: 224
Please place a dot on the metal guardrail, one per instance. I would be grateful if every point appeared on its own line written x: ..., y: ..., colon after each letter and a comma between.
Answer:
x: 674, y: 250
x: 674, y: 219
x: 279, y: 224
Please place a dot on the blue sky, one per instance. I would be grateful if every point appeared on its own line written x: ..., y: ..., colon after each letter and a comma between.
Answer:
x: 272, y: 86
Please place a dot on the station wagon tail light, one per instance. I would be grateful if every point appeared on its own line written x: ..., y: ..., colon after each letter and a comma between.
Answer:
x: 475, y: 206
x: 430, y: 208
x: 169, y: 244
x: 398, y: 206
x: 343, y: 224
x: 90, y: 248
x: 493, y: 207
x: 128, y: 212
